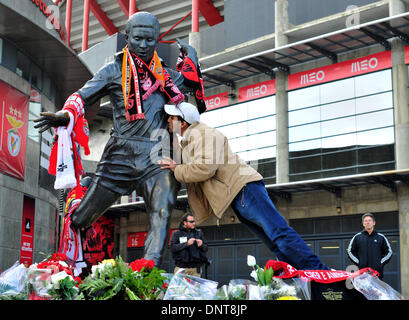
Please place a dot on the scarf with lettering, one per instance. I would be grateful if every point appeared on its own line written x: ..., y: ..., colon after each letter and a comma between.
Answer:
x: 193, y: 79
x: 139, y: 81
x: 285, y: 270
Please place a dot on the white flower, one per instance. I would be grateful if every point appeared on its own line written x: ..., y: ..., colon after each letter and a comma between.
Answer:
x: 63, y: 264
x: 253, y: 274
x: 57, y: 277
x: 251, y: 261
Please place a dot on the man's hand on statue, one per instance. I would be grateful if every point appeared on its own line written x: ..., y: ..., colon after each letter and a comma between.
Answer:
x: 48, y: 120
x: 167, y: 163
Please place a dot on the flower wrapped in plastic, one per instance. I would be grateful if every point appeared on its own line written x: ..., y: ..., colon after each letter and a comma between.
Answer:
x: 373, y: 288
x: 237, y: 289
x: 270, y: 287
x: 12, y: 281
x: 188, y: 287
x: 52, y: 279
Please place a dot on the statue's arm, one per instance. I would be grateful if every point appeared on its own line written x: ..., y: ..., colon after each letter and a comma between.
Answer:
x: 77, y: 103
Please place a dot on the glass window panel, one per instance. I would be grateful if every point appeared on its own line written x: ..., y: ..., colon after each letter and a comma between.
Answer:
x: 339, y: 160
x: 329, y: 248
x: 306, y: 164
x: 312, y: 146
x: 261, y: 125
x: 304, y: 116
x: 47, y: 87
x: 34, y: 110
x: 302, y: 98
x: 23, y: 66
x: 374, y: 120
x: 376, y: 137
x: 264, y: 153
x: 379, y: 154
x: 331, y: 225
x: 261, y: 140
x: 337, y: 90
x: 36, y: 77
x: 306, y: 132
x: 338, y: 109
x: 387, y: 221
x: 234, y: 130
x: 302, y: 226
x: 1, y: 50
x: 261, y: 107
x: 352, y: 224
x: 373, y: 83
x: 235, y: 113
x: 374, y: 102
x: 338, y: 126
x: 238, y: 144
x: 340, y: 141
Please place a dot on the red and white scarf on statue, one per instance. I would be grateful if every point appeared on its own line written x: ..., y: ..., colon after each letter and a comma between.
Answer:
x: 139, y: 80
x: 65, y: 158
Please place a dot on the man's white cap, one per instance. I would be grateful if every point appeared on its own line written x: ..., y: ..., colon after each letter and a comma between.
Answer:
x: 185, y: 110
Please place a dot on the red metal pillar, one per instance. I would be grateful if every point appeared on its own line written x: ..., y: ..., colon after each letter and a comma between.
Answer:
x: 132, y: 7
x: 195, y: 15
x: 85, y: 25
x: 68, y: 21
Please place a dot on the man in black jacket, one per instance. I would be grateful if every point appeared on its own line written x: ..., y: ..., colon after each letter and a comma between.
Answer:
x: 188, y: 247
x: 370, y: 248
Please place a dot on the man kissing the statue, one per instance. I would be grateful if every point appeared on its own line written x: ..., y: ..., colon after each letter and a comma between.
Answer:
x: 139, y: 84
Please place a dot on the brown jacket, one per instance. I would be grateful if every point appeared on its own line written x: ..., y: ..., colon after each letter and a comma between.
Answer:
x: 214, y: 175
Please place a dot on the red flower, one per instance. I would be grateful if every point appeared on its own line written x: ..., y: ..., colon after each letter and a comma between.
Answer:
x: 79, y: 281
x: 138, y: 265
x: 58, y: 257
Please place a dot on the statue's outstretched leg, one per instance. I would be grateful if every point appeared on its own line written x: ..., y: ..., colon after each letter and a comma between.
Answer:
x: 95, y: 202
x: 160, y: 194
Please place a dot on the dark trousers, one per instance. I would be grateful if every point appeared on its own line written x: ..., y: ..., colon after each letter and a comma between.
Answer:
x: 255, y: 209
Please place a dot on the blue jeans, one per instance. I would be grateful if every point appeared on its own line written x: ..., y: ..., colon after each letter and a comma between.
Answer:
x: 255, y: 209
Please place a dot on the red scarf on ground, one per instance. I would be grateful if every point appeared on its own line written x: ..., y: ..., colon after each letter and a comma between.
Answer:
x: 284, y: 270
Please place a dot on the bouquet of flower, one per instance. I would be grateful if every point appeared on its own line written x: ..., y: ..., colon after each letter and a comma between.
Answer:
x: 272, y: 288
x: 237, y: 289
x: 188, y: 287
x: 52, y: 279
x: 12, y: 282
x: 374, y: 289
x: 114, y: 279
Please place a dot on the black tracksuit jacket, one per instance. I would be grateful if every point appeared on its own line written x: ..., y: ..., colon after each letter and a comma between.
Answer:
x: 370, y: 250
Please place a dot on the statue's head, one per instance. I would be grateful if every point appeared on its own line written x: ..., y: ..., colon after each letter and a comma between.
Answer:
x: 142, y: 34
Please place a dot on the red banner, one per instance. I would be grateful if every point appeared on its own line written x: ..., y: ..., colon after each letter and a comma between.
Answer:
x: 258, y: 90
x: 137, y: 239
x: 285, y: 270
x: 407, y: 54
x: 217, y: 101
x: 27, y: 232
x: 341, y: 70
x: 13, y: 130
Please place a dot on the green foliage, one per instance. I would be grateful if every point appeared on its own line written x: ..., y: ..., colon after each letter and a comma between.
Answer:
x: 66, y: 289
x: 120, y: 282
